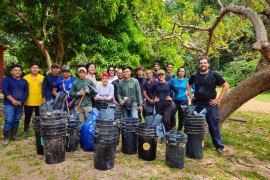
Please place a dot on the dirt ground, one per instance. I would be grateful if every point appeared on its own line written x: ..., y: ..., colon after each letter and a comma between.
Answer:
x: 20, y: 161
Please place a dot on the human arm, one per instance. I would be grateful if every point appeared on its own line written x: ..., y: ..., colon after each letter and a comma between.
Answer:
x: 119, y: 94
x: 44, y: 87
x: 225, y: 88
x: 111, y: 92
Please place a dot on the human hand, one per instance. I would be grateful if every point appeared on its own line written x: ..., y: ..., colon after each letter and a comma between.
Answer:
x: 214, y: 102
x: 151, y: 101
x: 87, y: 89
x: 141, y: 108
x: 156, y: 99
x: 43, y: 100
x: 14, y: 102
x: 168, y: 98
x: 81, y: 92
x: 122, y: 102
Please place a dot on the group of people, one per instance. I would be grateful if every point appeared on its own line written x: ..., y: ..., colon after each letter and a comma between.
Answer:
x: 155, y: 92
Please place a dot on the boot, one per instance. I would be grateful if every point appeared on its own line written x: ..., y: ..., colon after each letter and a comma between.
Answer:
x: 6, y: 137
x: 13, y: 135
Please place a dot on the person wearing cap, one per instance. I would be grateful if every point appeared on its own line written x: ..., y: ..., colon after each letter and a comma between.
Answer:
x: 104, y: 89
x: 34, y: 99
x: 83, y: 90
x: 129, y: 91
x: 163, y: 99
x: 49, y: 82
x: 64, y: 83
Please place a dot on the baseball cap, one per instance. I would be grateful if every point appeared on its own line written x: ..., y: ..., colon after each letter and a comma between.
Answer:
x: 65, y: 68
x: 55, y: 65
x: 82, y: 69
x: 161, y: 71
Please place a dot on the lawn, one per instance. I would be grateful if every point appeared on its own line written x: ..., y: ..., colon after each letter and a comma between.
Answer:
x: 248, y: 157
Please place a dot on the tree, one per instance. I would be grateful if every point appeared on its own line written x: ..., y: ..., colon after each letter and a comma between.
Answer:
x: 259, y: 81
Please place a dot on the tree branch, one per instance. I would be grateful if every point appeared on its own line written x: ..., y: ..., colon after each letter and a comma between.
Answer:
x: 268, y: 2
x: 187, y: 45
x: 45, y: 21
x: 220, y: 4
x: 60, y: 43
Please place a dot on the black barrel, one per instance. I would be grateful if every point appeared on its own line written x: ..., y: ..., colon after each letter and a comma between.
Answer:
x: 39, y: 140
x: 53, y: 132
x: 73, y: 133
x: 147, y: 142
x: 129, y: 135
x: 195, y: 128
x: 175, y: 148
x: 105, y: 140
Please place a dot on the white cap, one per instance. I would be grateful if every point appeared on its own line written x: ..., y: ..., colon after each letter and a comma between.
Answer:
x: 82, y: 69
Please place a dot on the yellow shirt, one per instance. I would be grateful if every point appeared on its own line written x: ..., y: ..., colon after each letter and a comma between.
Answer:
x: 35, y: 90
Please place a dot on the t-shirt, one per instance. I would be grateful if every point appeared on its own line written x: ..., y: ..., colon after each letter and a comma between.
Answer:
x: 35, y: 90
x: 181, y: 86
x: 18, y: 89
x: 47, y: 86
x: 168, y: 78
x: 205, y: 86
x: 115, y: 85
x: 141, y: 81
x: 162, y: 90
x: 67, y: 84
x: 107, y: 91
x: 149, y: 88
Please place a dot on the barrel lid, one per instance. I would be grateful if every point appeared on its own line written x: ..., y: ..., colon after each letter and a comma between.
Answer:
x: 174, y: 134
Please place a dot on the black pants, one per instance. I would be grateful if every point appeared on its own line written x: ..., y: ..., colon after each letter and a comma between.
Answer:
x: 180, y: 113
x: 174, y: 110
x: 164, y: 108
x: 28, y: 111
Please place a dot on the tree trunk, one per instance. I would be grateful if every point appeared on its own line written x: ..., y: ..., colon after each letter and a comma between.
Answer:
x: 245, y: 91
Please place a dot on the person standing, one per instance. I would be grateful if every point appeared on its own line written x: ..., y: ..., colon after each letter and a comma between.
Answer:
x: 15, y: 90
x: 163, y: 99
x: 129, y: 94
x: 148, y: 93
x: 141, y: 79
x: 116, y: 82
x: 91, y: 71
x: 64, y: 83
x: 34, y: 99
x: 112, y: 76
x: 205, y: 96
x: 180, y: 83
x: 49, y: 82
x: 83, y: 90
x: 169, y: 74
x: 156, y: 67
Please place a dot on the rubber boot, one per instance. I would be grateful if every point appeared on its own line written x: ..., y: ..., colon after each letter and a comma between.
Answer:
x: 13, y: 135
x: 6, y: 137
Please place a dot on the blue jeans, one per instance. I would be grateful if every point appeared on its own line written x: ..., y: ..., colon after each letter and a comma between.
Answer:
x: 13, y: 115
x: 134, y: 112
x: 213, y: 119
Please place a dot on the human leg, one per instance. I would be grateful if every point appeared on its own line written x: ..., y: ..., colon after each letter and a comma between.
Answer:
x: 213, y: 119
x: 180, y: 113
x: 28, y: 111
x: 9, y: 112
x: 15, y: 125
x: 173, y: 113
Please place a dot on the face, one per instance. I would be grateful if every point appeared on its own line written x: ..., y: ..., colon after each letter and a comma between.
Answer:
x: 104, y: 80
x: 82, y: 74
x: 34, y: 69
x: 203, y: 65
x: 156, y: 67
x: 92, y: 69
x: 111, y: 71
x: 126, y: 73
x: 181, y: 72
x: 65, y: 74
x: 120, y: 74
x: 149, y: 74
x: 140, y: 72
x: 16, y: 72
x: 161, y: 77
x: 169, y: 68
x: 55, y: 70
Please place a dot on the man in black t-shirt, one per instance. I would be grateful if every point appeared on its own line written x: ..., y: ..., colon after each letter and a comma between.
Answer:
x: 205, y: 96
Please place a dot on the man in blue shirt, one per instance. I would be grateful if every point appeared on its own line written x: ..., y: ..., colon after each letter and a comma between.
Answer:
x: 15, y: 90
x: 63, y: 83
x: 49, y: 82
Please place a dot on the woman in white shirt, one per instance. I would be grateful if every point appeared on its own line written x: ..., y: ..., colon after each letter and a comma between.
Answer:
x: 111, y: 73
x: 105, y: 89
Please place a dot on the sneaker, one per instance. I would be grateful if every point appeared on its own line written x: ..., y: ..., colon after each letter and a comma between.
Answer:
x: 6, y: 142
x: 25, y: 134
x: 220, y: 151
